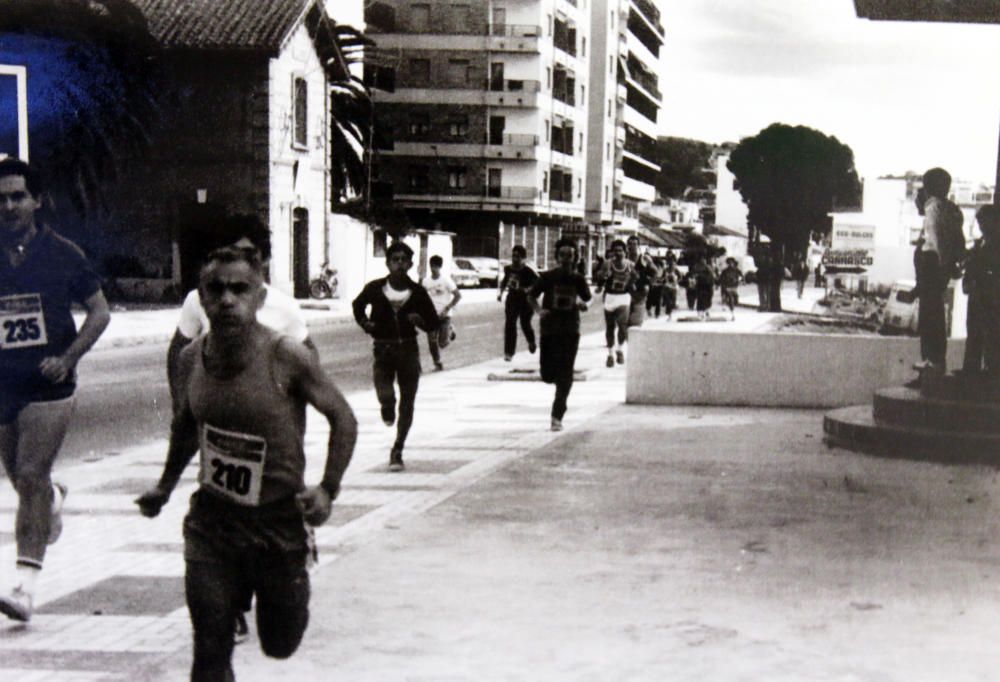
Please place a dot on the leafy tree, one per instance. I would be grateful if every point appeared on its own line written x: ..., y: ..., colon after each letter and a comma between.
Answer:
x: 94, y: 80
x: 790, y: 178
x: 682, y: 166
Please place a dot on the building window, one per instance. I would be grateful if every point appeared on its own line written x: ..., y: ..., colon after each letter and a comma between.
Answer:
x: 456, y: 178
x: 458, y: 71
x: 583, y: 94
x: 420, y: 17
x: 581, y: 142
x: 612, y: 18
x: 607, y: 151
x: 605, y: 194
x: 420, y: 71
x: 459, y: 127
x: 545, y: 182
x: 461, y: 17
x: 300, y: 113
x: 420, y: 124
x: 549, y: 17
x: 548, y: 131
x: 609, y: 108
x: 611, y: 65
x: 583, y: 47
x: 548, y: 77
x: 419, y: 179
x: 579, y: 188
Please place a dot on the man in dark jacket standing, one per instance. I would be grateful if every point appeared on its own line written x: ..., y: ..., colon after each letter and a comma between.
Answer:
x: 391, y: 309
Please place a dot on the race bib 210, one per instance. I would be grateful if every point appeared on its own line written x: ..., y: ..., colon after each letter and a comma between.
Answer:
x: 232, y: 464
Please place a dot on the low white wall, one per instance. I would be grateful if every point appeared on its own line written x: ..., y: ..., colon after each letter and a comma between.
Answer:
x: 767, y: 369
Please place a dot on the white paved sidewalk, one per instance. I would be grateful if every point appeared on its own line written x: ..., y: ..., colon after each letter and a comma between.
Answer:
x: 110, y: 601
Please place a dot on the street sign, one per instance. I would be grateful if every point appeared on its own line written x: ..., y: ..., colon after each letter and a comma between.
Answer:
x: 13, y: 111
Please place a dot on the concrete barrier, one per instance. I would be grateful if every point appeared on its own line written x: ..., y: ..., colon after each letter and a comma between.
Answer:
x: 668, y: 367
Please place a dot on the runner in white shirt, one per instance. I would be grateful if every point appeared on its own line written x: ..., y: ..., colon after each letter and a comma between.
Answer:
x: 445, y: 295
x: 279, y: 312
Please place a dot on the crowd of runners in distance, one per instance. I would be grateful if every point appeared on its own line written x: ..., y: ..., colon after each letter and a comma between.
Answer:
x: 248, y: 533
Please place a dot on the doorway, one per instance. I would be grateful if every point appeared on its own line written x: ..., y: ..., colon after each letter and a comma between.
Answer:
x: 300, y: 252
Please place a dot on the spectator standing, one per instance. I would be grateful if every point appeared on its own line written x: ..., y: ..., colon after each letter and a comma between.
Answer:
x: 939, y: 252
x: 982, y: 284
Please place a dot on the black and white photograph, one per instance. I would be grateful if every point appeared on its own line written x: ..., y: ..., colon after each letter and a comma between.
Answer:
x: 499, y: 340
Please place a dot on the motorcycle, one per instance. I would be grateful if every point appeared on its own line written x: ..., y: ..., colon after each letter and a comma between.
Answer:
x: 325, y: 284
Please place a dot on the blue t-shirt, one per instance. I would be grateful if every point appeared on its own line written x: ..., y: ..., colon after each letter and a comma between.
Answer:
x: 36, y: 299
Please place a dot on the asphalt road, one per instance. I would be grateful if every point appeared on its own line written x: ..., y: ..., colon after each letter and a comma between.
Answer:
x: 123, y: 400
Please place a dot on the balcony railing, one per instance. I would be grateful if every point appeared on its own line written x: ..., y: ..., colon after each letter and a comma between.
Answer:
x: 430, y: 192
x: 511, y: 192
x: 651, y: 13
x: 515, y: 30
x: 514, y: 139
x: 513, y: 85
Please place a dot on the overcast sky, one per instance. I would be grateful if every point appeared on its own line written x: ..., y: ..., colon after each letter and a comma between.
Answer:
x: 903, y: 96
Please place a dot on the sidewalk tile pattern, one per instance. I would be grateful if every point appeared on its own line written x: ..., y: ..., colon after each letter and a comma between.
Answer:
x: 114, y: 583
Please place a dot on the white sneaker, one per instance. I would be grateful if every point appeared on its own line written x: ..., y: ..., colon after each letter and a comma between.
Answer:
x: 17, y: 605
x: 59, y: 493
x: 556, y: 424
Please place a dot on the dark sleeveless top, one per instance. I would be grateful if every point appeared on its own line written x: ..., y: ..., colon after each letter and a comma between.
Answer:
x: 250, y: 430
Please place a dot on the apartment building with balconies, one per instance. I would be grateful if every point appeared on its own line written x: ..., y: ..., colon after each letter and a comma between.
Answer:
x: 627, y: 37
x: 485, y: 129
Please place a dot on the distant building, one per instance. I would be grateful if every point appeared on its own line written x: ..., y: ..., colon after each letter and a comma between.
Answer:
x: 625, y: 101
x: 485, y: 133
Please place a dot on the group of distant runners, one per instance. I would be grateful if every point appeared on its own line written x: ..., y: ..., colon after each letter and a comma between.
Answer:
x: 242, y: 370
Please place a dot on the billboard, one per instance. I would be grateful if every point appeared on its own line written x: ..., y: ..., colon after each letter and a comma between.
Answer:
x: 851, y: 247
x: 13, y: 111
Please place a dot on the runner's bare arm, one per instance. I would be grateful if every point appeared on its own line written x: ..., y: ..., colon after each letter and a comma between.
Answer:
x: 177, y: 344
x: 315, y: 386
x: 183, y: 444
x: 57, y: 368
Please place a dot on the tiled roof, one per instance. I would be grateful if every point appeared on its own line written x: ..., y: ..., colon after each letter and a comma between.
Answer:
x: 208, y: 24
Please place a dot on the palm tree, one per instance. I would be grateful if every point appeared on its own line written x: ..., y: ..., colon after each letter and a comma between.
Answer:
x: 93, y: 103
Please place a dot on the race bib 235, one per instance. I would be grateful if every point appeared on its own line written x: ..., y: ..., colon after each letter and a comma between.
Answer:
x: 22, y: 324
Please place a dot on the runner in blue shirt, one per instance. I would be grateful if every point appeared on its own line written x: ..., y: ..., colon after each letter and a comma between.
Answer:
x: 41, y: 275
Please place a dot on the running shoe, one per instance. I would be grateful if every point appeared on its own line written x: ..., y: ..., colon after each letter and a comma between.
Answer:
x: 59, y: 493
x: 620, y: 357
x: 241, y: 632
x: 532, y: 347
x: 388, y: 415
x: 556, y: 424
x: 17, y: 605
x: 396, y: 459
x: 438, y: 367
x: 611, y: 361
x: 453, y: 335
x: 508, y: 358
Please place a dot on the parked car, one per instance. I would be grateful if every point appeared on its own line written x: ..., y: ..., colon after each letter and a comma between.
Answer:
x: 900, y: 313
x: 464, y: 275
x: 488, y: 269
